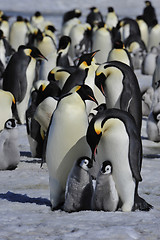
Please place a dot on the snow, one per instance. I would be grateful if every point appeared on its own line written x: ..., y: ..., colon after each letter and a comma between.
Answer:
x: 24, y: 192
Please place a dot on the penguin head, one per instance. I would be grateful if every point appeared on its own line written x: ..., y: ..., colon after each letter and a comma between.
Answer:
x: 102, y: 107
x: 19, y: 19
x: 118, y: 45
x: 110, y: 9
x: 86, y: 59
x: 148, y: 3
x: 32, y: 52
x: 50, y: 28
x: 64, y: 42
x: 10, y: 123
x: 106, y: 167
x: 85, y: 163
x: 86, y: 93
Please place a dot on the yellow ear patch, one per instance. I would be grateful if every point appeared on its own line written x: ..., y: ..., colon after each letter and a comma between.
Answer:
x: 77, y: 88
x: 28, y: 51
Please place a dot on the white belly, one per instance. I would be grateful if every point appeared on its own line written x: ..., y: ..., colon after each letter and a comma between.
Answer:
x: 114, y: 146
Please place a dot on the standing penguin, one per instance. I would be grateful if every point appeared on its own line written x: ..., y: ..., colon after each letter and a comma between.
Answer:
x: 111, y: 18
x: 75, y: 13
x: 105, y: 196
x: 4, y: 25
x: 154, y: 36
x: 66, y: 139
x: 63, y: 48
x: 9, y: 152
x: 118, y: 82
x: 18, y: 33
x: 19, y: 76
x: 79, y: 187
x: 78, y: 35
x: 37, y: 20
x: 120, y: 53
x: 94, y: 16
x: 101, y: 40
x: 149, y: 13
x: 114, y: 134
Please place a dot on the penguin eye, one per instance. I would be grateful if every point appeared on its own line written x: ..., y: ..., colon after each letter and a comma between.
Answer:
x: 107, y: 169
x: 86, y: 162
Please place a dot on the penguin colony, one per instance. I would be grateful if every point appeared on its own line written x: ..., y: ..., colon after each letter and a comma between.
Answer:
x: 76, y: 90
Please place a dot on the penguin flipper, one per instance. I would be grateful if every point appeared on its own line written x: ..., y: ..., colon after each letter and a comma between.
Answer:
x: 135, y: 155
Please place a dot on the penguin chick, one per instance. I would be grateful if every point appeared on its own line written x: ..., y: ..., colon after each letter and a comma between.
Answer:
x: 105, y: 196
x: 79, y: 187
x: 9, y: 152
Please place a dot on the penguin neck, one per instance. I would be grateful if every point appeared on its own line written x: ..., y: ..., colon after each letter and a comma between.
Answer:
x: 73, y: 99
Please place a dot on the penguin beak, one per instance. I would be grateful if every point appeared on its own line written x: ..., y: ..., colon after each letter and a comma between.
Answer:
x: 42, y: 57
x: 93, y: 99
x: 94, y: 53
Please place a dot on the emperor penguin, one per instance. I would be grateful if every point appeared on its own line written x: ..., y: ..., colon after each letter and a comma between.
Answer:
x: 37, y: 20
x: 5, y: 26
x: 9, y: 151
x: 127, y: 27
x: 119, y: 84
x: 101, y: 40
x: 61, y: 74
x: 68, y: 25
x: 74, y: 13
x: 144, y: 31
x: 154, y: 36
x: 149, y: 62
x: 18, y: 33
x: 39, y: 113
x: 94, y: 16
x: 120, y: 53
x: 111, y: 18
x: 77, y: 35
x: 62, y: 51
x: 7, y: 106
x: 45, y: 44
x: 66, y: 139
x: 19, y: 76
x: 105, y: 196
x: 79, y: 188
x: 116, y: 129
x: 84, y: 74
x: 149, y: 13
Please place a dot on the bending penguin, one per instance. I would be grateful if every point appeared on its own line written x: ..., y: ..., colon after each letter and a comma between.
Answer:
x: 9, y: 152
x: 109, y: 132
x: 79, y: 187
x: 126, y: 95
x: 19, y: 76
x: 105, y: 196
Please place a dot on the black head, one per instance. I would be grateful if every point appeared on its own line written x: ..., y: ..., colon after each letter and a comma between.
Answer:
x: 110, y: 9
x: 106, y: 167
x: 85, y: 163
x: 102, y: 107
x: 63, y: 42
x: 86, y: 93
x: 20, y: 19
x: 37, y: 14
x: 118, y: 45
x: 35, y: 53
x: 10, y: 123
x: 87, y: 58
x: 51, y: 28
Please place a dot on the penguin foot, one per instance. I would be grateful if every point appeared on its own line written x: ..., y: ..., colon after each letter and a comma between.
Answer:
x: 59, y: 207
x: 141, y: 204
